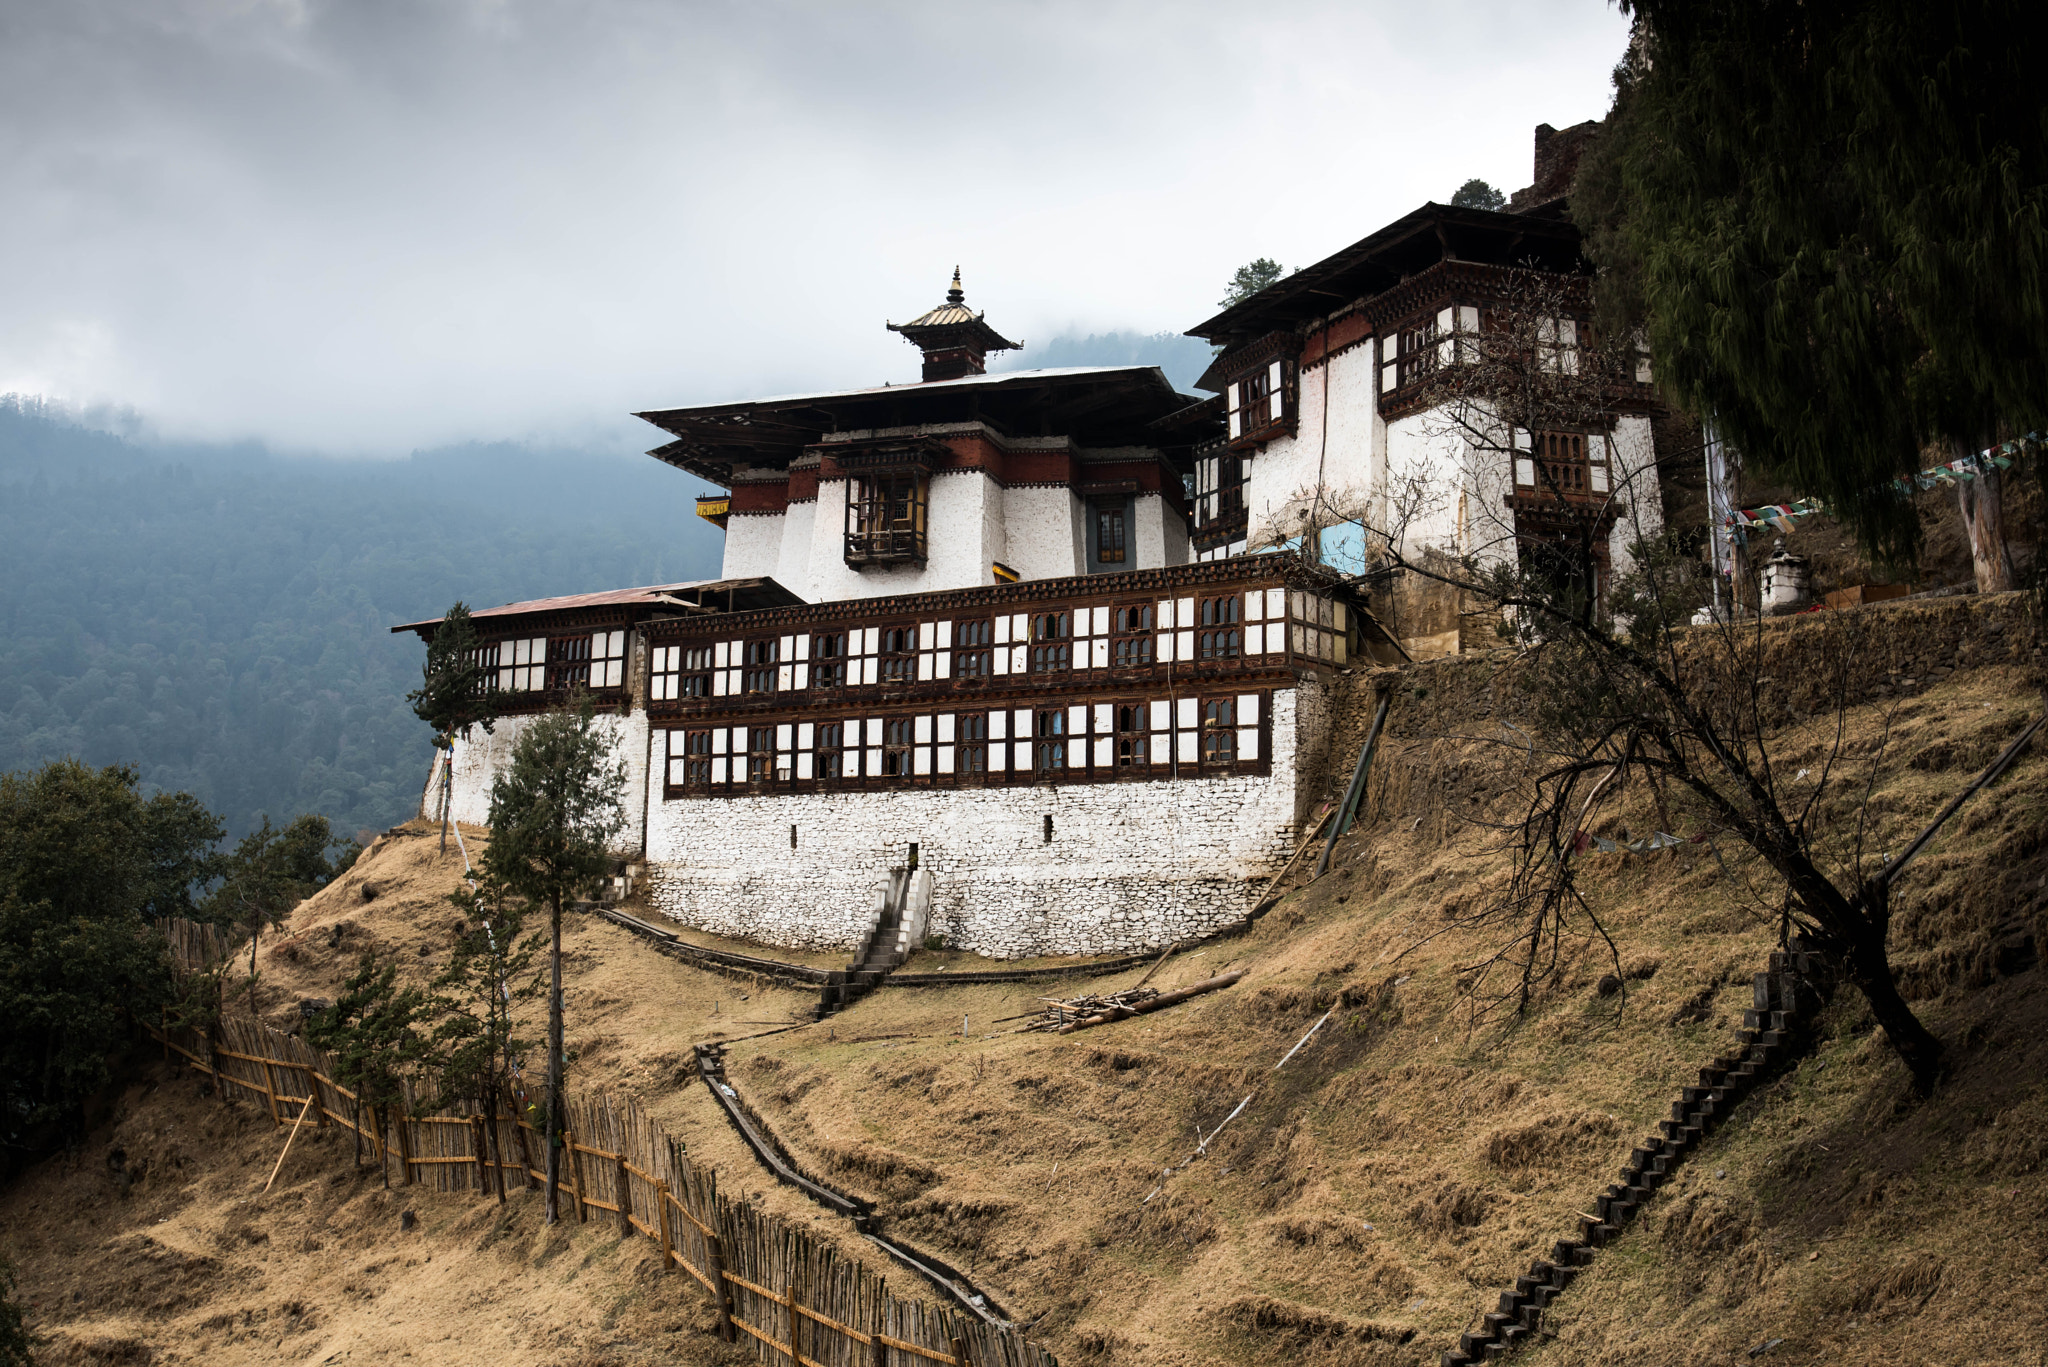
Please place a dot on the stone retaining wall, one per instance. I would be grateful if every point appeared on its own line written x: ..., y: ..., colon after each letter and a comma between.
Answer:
x: 1129, y: 865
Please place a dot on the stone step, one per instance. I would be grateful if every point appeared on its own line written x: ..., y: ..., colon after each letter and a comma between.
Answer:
x: 1451, y: 1357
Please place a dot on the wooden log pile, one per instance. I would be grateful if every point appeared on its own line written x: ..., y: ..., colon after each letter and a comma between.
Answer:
x: 1065, y: 1015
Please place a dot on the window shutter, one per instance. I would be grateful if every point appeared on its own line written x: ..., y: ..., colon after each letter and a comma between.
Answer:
x: 1390, y: 363
x: 1275, y: 392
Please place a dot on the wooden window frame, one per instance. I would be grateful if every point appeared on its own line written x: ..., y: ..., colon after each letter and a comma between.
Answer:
x: 1219, y: 631
x: 760, y: 754
x: 971, y: 742
x: 1132, y: 643
x: 1133, y: 750
x: 1218, y: 733
x: 1050, y: 743
x: 899, y: 742
x: 1112, y: 535
x: 973, y: 645
x: 759, y: 665
x: 1052, y: 641
x: 828, y: 752
x: 886, y: 512
x: 896, y: 654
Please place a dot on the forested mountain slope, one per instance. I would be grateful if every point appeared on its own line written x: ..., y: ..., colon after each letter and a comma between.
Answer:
x: 220, y: 616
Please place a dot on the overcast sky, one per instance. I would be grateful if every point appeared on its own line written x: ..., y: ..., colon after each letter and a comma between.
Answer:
x: 370, y: 225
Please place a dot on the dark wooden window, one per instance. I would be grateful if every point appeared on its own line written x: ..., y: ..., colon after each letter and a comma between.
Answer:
x: 1132, y: 644
x: 679, y: 672
x: 831, y: 738
x: 828, y: 660
x: 1219, y: 638
x: 885, y: 519
x: 1051, y: 650
x: 1132, y: 740
x: 568, y: 662
x: 485, y: 658
x: 1565, y: 465
x: 974, y: 741
x: 1219, y: 489
x: 1051, y: 741
x: 1109, y: 536
x: 697, y: 758
x: 971, y: 649
x: 1219, y: 733
x: 760, y: 754
x: 898, y: 654
x: 896, y: 743
x: 760, y: 665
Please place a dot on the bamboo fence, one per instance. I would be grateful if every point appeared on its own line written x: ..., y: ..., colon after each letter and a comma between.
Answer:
x: 796, y: 1299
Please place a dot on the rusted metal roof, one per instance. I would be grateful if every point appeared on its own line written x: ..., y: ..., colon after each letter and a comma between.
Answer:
x: 740, y: 595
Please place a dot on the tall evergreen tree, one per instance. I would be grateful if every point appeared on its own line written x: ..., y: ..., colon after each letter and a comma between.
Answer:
x: 454, y: 695
x: 1248, y: 280
x: 554, y: 813
x: 374, y: 1029
x: 476, y: 1043
x: 1833, y: 219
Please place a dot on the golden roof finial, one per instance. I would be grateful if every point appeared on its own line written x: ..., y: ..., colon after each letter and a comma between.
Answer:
x: 954, y: 295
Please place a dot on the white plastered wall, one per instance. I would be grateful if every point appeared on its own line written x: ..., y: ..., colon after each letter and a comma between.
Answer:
x: 483, y: 756
x: 1039, y: 523
x: 1129, y: 865
x: 956, y: 543
x: 1634, y: 462
x: 753, y: 544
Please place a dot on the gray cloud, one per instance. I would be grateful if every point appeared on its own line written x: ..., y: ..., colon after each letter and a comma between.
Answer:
x: 370, y: 225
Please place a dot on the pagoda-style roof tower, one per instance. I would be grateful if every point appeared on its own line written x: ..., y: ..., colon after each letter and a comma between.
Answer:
x: 954, y: 340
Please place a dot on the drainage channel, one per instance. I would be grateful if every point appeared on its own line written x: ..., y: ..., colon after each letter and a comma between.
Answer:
x: 757, y: 1137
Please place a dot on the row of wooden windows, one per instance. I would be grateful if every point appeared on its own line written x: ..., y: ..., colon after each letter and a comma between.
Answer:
x: 1078, y: 740
x: 1209, y: 630
x: 535, y: 664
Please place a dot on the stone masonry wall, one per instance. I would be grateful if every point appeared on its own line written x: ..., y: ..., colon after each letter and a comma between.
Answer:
x: 1129, y: 864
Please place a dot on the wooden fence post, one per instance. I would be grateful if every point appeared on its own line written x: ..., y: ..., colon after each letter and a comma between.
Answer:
x: 789, y: 1299
x: 527, y: 1180
x: 575, y: 1156
x: 313, y: 1090
x: 625, y: 1195
x: 270, y: 1087
x: 476, y: 1140
x: 881, y: 1349
x: 721, y: 1299
x: 668, y: 1247
x: 403, y: 1127
x: 959, y: 1353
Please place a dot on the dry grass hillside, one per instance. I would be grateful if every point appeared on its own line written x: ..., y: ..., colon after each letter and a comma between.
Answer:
x: 1372, y: 1199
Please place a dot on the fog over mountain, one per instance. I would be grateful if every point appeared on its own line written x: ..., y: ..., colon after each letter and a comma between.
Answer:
x: 359, y: 228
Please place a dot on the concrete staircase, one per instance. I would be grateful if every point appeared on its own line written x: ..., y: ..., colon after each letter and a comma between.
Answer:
x: 1789, y: 992
x: 902, y: 910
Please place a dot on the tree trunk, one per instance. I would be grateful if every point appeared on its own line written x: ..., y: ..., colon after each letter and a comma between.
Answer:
x: 447, y: 789
x: 1982, y: 504
x: 1869, y: 967
x: 496, y: 1153
x: 555, y: 1061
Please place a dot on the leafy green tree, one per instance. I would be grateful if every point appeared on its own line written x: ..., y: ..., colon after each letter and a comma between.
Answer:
x: 84, y: 860
x: 270, y: 872
x: 375, y: 1032
x: 1833, y: 219
x: 1250, y: 278
x: 554, y: 813
x: 476, y: 1044
x: 1477, y: 194
x: 454, y: 695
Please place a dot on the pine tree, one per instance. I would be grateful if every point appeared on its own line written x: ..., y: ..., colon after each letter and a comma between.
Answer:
x: 1833, y: 219
x: 374, y: 1031
x: 476, y: 1044
x: 554, y: 813
x: 454, y: 695
x: 1248, y: 280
